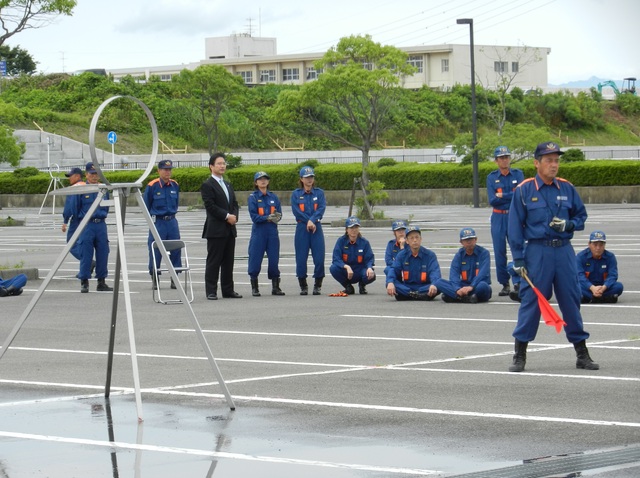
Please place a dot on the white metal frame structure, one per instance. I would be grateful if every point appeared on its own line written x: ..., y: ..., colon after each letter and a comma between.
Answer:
x: 170, y: 246
x: 120, y: 192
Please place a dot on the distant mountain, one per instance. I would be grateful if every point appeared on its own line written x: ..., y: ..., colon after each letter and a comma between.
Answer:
x: 593, y: 81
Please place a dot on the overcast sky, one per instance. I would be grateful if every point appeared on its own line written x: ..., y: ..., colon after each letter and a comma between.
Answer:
x: 587, y: 37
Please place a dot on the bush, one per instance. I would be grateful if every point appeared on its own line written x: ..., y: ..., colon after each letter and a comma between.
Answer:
x: 383, y: 162
x: 26, y: 172
x: 233, y: 161
x: 572, y: 155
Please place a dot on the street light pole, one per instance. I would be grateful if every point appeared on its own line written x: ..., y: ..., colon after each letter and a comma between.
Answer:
x: 474, y: 113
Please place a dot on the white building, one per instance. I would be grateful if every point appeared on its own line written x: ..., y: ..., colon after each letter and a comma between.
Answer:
x: 439, y: 66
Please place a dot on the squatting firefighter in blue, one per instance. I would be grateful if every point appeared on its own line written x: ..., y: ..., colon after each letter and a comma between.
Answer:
x: 162, y: 197
x: 308, y: 205
x: 265, y: 211
x: 415, y: 270
x: 395, y: 245
x: 69, y: 221
x: 353, y: 259
x: 470, y: 272
x: 598, y: 271
x: 500, y: 186
x: 545, y: 212
x: 94, y: 237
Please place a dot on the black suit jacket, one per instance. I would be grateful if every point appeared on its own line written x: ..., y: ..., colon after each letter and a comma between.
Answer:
x: 217, y: 207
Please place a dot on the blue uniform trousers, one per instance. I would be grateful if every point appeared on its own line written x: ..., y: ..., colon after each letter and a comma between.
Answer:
x: 94, y: 236
x: 168, y: 230
x: 550, y: 268
x: 403, y: 289
x: 303, y: 241
x: 71, y: 229
x: 359, y: 275
x: 18, y: 281
x: 264, y: 238
x: 616, y: 289
x: 482, y: 290
x: 499, y: 226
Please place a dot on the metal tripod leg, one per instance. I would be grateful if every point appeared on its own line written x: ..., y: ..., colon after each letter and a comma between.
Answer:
x: 185, y: 300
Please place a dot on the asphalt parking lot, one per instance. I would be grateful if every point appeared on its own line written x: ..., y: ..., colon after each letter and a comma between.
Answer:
x: 358, y: 386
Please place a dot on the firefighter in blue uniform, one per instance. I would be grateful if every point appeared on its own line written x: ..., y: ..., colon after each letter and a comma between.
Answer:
x: 415, y: 270
x: 162, y: 196
x: 598, y: 272
x: 265, y: 212
x: 470, y: 273
x: 399, y: 229
x: 308, y: 205
x: 353, y: 259
x: 500, y: 186
x: 545, y: 212
x: 69, y: 221
x: 94, y: 237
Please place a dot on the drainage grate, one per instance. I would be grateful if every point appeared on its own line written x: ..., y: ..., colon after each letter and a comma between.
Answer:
x: 565, y: 464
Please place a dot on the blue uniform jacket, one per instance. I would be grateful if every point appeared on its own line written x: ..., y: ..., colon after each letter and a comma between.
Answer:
x: 415, y: 271
x: 391, y: 252
x: 308, y: 206
x: 81, y: 203
x: 358, y: 255
x: 603, y: 271
x: 68, y: 211
x: 505, y: 184
x: 470, y: 270
x: 533, y: 207
x: 161, y: 198
x: 261, y: 205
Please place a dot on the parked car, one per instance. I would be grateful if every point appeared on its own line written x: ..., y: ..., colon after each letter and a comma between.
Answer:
x: 448, y: 155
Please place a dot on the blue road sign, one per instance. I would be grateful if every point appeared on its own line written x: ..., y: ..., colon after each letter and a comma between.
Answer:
x: 3, y: 68
x: 112, y: 137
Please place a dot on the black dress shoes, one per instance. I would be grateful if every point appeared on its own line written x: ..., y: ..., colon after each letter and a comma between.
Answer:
x: 233, y: 295
x: 212, y: 297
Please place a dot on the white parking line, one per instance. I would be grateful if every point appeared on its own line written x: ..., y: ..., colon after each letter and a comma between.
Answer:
x: 217, y: 454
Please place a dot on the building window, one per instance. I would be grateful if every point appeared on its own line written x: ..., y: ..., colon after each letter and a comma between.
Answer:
x: 500, y: 67
x: 416, y: 61
x: 267, y: 76
x: 312, y: 73
x: 445, y: 65
x: 515, y: 67
x: 247, y: 76
x: 165, y: 77
x: 367, y: 65
x: 290, y: 74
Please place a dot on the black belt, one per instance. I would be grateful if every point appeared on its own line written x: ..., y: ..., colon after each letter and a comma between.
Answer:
x: 98, y: 219
x: 164, y: 218
x: 551, y: 242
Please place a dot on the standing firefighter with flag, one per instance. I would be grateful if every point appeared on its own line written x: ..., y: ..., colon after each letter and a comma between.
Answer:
x: 544, y: 212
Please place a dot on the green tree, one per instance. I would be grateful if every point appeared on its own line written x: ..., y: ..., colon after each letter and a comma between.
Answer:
x: 356, y: 97
x: 10, y: 149
x: 19, y: 15
x: 19, y: 61
x: 209, y: 91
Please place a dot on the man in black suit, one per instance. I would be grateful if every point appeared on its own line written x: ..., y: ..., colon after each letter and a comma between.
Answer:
x: 219, y: 230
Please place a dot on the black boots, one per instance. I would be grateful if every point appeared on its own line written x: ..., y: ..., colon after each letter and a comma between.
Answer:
x: 84, y: 286
x: 154, y: 282
x: 102, y: 286
x: 505, y: 290
x: 304, y: 288
x: 254, y: 288
x: 317, y: 286
x: 348, y: 289
x: 520, y: 357
x: 584, y: 360
x: 275, y: 287
x: 11, y: 290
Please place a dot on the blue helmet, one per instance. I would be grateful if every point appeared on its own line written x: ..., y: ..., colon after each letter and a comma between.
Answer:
x: 467, y: 233
x: 306, y: 172
x: 260, y: 174
x: 352, y: 221
x: 411, y: 229
x: 398, y: 225
x: 501, y: 151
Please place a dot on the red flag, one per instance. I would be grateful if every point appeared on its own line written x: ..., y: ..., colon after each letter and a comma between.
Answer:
x: 549, y: 314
